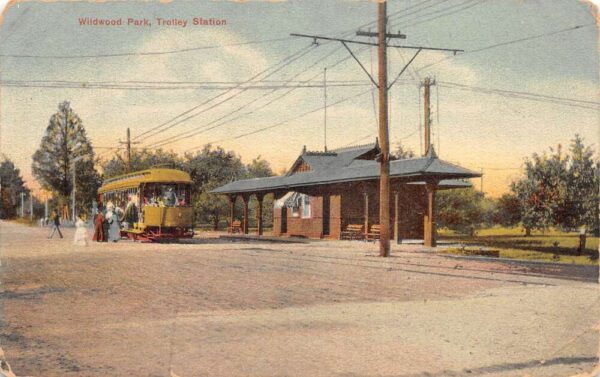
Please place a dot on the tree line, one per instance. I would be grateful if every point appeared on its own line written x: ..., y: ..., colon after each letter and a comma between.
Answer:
x: 557, y: 189
x: 65, y: 152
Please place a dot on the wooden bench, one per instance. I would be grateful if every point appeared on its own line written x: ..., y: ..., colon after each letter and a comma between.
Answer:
x: 236, y: 227
x: 353, y: 232
x: 373, y: 233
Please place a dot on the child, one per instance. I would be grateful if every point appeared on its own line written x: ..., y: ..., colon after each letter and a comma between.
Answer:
x: 80, y: 233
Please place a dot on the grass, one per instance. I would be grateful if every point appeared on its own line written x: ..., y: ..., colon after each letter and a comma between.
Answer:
x: 24, y: 221
x: 548, y: 246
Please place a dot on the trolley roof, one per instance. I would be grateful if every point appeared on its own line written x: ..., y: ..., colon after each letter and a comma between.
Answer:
x: 134, y: 179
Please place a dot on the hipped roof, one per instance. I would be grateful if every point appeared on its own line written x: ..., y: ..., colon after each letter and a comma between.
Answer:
x: 347, y: 165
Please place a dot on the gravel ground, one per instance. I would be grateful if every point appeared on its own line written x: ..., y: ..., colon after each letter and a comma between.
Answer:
x: 220, y: 308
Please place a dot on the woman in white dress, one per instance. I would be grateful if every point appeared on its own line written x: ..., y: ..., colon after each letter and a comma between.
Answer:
x: 114, y: 226
x: 80, y: 233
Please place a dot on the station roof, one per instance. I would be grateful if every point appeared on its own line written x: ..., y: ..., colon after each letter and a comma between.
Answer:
x: 351, y: 165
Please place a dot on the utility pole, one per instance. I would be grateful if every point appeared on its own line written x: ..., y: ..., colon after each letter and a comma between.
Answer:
x: 325, y: 109
x: 128, y: 143
x: 384, y: 160
x: 73, y: 193
x: 22, y: 204
x: 383, y: 87
x: 427, y: 111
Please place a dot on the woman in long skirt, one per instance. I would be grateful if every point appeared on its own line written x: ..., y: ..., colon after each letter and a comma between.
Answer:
x: 99, y: 235
x: 114, y: 230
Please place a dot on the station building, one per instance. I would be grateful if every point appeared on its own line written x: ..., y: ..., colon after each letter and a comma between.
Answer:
x: 327, y: 192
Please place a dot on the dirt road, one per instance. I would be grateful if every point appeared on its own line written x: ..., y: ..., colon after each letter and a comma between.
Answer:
x: 254, y: 309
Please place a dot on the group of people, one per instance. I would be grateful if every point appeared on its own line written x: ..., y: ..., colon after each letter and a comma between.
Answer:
x: 167, y: 199
x: 80, y: 228
x: 107, y: 224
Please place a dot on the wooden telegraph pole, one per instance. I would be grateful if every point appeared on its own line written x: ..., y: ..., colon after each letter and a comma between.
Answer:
x: 128, y: 143
x: 382, y: 84
x: 384, y: 179
x: 427, y: 82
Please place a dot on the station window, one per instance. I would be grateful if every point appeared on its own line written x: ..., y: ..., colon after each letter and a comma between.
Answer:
x: 305, y: 206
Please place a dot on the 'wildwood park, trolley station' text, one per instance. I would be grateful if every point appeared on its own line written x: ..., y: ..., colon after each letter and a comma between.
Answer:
x: 145, y: 22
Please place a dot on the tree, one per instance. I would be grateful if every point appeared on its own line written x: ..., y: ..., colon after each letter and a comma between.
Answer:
x: 559, y: 190
x: 64, y: 146
x: 140, y: 160
x: 260, y: 168
x: 542, y: 190
x: 209, y: 169
x: 11, y: 186
x: 581, y: 203
x: 401, y: 152
x: 508, y: 210
x: 460, y: 210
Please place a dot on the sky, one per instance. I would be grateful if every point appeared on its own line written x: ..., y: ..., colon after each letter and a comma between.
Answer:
x: 146, y: 77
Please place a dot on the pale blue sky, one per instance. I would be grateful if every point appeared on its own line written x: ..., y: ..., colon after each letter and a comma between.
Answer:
x: 475, y: 129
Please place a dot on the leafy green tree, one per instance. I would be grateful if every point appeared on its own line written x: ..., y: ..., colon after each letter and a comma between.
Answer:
x: 260, y: 168
x: 580, y: 207
x: 543, y: 190
x: 211, y: 208
x: 460, y: 210
x: 209, y: 169
x: 11, y: 185
x: 559, y: 190
x: 140, y: 160
x: 508, y: 210
x: 64, y: 145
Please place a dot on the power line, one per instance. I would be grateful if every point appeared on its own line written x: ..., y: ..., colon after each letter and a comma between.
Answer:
x: 397, y: 16
x: 196, y: 132
x: 290, y: 119
x: 183, y: 115
x: 149, y: 53
x: 283, y: 63
x: 506, y: 44
x: 462, y: 7
x: 526, y: 95
x: 184, y: 87
x: 190, y: 133
x: 279, y: 65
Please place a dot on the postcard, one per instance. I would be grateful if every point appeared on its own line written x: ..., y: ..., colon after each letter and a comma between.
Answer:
x: 399, y: 188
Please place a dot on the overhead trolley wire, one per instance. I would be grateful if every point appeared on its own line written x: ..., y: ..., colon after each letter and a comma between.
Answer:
x: 280, y: 65
x: 294, y: 118
x: 196, y: 132
x: 506, y: 43
x: 148, y: 53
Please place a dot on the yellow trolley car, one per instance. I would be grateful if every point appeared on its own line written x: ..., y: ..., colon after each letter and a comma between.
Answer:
x: 153, y: 204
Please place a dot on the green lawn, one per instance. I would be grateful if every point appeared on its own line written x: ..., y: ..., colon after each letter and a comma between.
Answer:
x: 548, y: 246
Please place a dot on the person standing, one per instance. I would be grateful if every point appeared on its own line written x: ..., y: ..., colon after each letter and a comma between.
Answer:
x: 55, y: 224
x: 80, y: 233
x: 114, y: 230
x: 99, y: 232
